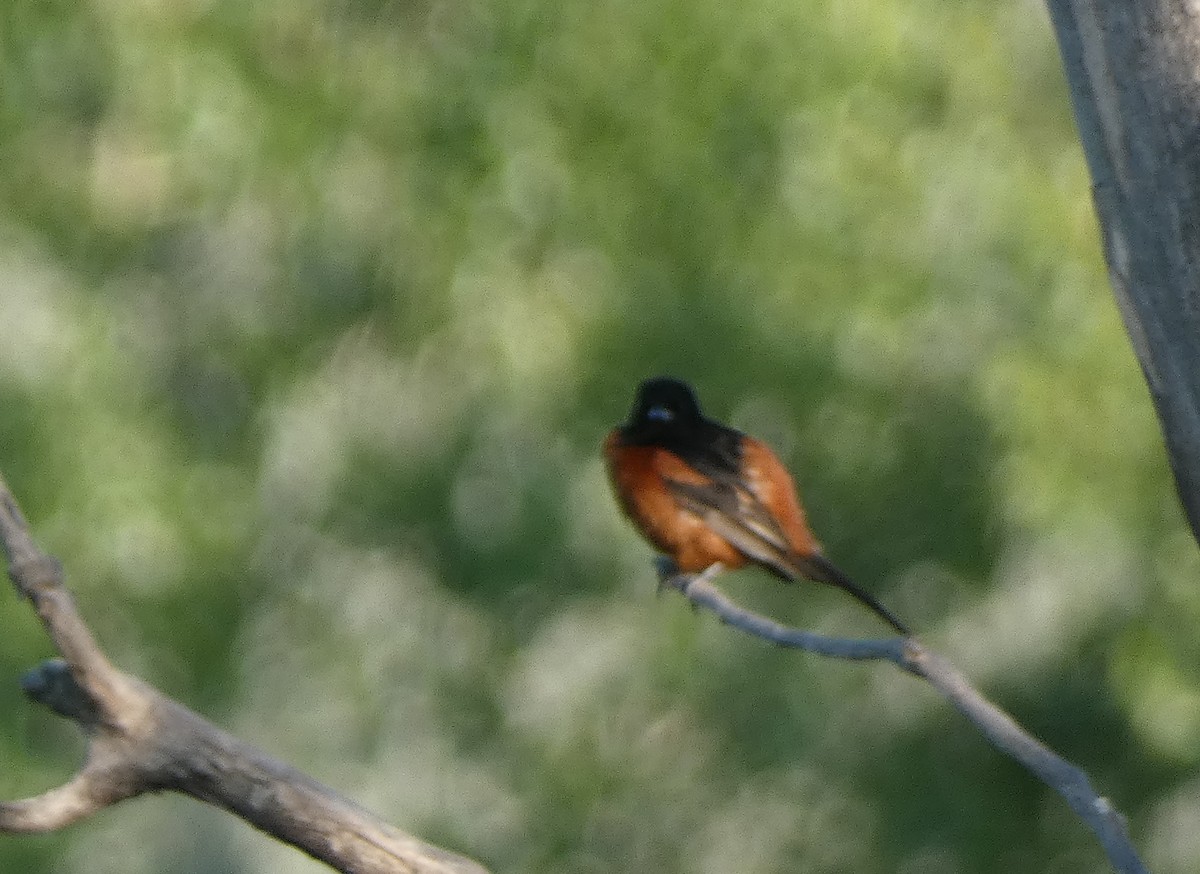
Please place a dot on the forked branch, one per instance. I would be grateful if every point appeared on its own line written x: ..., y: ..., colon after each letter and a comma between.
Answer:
x: 139, y: 740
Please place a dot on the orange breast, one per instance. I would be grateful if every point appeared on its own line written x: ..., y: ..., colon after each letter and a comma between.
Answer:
x: 637, y: 475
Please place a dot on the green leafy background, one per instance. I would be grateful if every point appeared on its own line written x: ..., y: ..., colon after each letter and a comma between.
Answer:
x: 313, y: 315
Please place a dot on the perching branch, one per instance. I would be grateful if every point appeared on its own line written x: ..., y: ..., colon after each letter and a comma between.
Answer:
x: 139, y: 740
x: 908, y: 654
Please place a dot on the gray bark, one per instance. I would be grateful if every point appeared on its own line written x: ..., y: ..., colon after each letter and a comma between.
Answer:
x: 1133, y: 69
x: 139, y: 741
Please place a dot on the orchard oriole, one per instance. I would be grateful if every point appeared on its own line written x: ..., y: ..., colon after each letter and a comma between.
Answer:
x: 704, y: 493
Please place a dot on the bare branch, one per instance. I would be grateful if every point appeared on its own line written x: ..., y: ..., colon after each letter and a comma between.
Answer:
x: 51, y: 810
x: 908, y: 654
x: 139, y: 740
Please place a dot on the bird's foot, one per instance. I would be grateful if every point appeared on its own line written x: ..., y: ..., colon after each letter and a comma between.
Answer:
x: 670, y: 576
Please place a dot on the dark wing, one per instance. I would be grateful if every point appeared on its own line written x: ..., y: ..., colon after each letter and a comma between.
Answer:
x: 724, y: 500
x: 709, y: 448
x: 730, y: 509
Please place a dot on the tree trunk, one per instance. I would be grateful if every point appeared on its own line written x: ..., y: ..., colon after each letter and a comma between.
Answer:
x: 1133, y: 68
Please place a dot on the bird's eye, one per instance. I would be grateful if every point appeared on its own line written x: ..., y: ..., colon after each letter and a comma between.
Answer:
x: 659, y: 413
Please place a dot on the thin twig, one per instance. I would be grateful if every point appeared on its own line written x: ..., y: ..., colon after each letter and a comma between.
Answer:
x: 910, y: 655
x: 140, y: 740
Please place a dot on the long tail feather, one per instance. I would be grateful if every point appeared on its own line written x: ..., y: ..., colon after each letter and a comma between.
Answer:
x: 819, y: 569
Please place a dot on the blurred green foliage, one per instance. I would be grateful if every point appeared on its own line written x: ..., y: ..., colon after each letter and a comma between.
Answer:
x: 312, y: 317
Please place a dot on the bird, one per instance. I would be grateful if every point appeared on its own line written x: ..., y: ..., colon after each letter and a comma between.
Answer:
x: 705, y: 494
